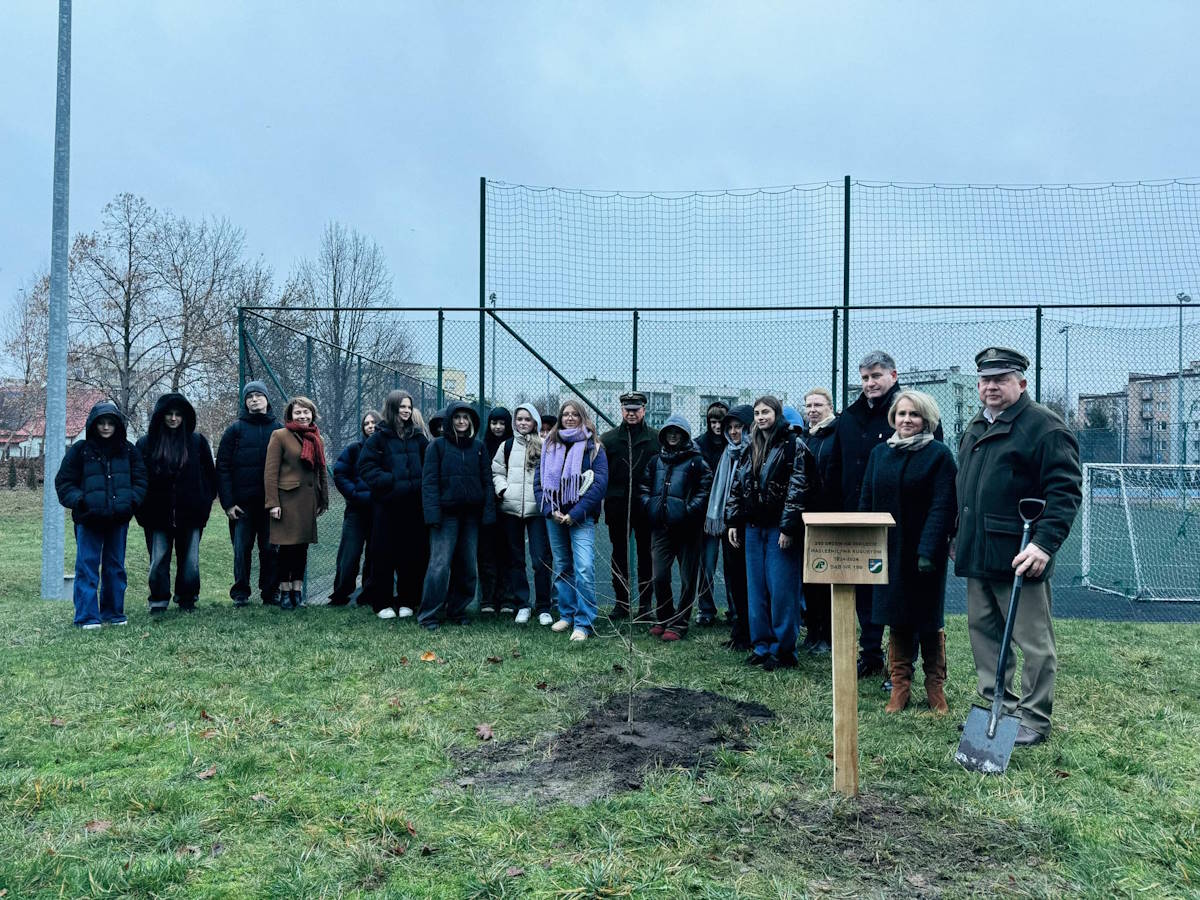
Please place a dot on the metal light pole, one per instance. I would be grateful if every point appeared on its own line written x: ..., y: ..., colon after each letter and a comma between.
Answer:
x: 1065, y: 331
x: 492, y: 396
x: 55, y: 433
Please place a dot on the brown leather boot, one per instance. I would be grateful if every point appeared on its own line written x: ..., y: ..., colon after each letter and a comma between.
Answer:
x: 901, y: 668
x: 933, y: 661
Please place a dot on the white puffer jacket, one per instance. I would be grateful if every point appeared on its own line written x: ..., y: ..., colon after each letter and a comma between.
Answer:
x: 513, y: 482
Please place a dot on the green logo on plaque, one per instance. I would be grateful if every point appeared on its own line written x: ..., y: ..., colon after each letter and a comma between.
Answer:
x: 874, y: 566
x: 819, y: 565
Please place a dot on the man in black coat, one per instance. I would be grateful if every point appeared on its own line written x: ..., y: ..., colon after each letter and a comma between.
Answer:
x: 711, y: 445
x: 629, y: 448
x: 863, y: 426
x: 1014, y: 448
x: 241, y: 458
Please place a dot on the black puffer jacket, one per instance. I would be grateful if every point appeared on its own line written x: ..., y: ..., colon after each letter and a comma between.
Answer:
x: 102, y: 482
x: 183, y: 498
x: 457, y: 475
x: 242, y: 454
x: 781, y: 492
x: 674, y: 489
x: 390, y: 464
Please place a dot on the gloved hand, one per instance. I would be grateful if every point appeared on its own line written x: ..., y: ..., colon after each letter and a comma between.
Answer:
x: 925, y: 564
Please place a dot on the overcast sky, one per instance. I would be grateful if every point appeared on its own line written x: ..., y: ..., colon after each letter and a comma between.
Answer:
x: 282, y: 116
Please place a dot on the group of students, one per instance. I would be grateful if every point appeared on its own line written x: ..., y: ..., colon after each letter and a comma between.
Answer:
x: 435, y: 512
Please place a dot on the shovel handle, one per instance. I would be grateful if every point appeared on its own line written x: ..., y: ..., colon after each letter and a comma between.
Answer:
x: 1002, y: 662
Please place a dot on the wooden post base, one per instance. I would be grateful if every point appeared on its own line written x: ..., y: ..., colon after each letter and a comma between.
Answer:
x: 845, y: 692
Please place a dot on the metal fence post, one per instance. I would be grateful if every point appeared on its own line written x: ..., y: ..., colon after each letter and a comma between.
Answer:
x: 1037, y: 356
x: 846, y: 290
x: 308, y: 386
x: 441, y: 390
x: 833, y: 375
x: 635, y: 349
x: 241, y: 349
x: 482, y: 286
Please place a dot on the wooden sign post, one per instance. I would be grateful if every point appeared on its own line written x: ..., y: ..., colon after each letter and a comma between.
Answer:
x: 844, y: 550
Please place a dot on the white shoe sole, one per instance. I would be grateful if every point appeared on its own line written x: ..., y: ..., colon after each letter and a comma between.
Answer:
x: 579, y: 635
x: 522, y: 618
x: 388, y: 613
x: 560, y: 625
x: 404, y: 613
x: 545, y: 619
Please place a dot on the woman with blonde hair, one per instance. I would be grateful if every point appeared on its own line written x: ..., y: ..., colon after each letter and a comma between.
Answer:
x: 297, y: 492
x: 911, y: 476
x: 570, y: 484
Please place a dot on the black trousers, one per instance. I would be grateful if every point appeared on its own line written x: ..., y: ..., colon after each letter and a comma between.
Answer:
x: 493, y: 563
x: 818, y: 598
x: 356, y: 533
x: 666, y: 548
x: 254, y: 525
x: 615, y: 511
x: 735, y: 589
x: 870, y: 636
x: 293, y: 560
x: 399, y: 553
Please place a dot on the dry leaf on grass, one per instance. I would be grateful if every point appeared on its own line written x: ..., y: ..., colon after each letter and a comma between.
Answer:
x: 97, y: 826
x: 483, y: 731
x: 187, y: 850
x: 541, y: 686
x: 410, y: 828
x: 404, y: 660
x: 397, y: 850
x: 394, y: 702
x: 706, y: 799
x: 204, y: 715
x: 495, y: 660
x: 260, y: 798
x: 207, y: 773
x: 208, y: 733
x: 56, y: 722
x: 428, y: 656
x: 514, y: 871
x: 426, y: 850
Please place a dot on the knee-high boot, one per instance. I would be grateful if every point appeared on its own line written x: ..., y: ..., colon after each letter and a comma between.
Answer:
x: 933, y: 659
x: 900, y: 654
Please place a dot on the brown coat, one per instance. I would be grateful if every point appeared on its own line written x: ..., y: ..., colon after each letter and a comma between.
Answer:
x: 297, y: 490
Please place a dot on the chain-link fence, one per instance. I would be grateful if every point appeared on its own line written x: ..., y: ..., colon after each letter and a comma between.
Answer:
x: 730, y: 295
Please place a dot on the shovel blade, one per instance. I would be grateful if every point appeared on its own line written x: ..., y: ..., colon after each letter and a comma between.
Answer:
x: 978, y: 752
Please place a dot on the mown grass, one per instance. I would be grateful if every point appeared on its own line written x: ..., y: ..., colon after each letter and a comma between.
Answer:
x: 336, y: 751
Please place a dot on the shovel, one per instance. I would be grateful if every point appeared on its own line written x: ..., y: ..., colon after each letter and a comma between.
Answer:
x: 987, y: 740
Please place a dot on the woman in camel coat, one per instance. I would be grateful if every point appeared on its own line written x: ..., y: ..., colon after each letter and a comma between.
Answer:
x: 297, y: 491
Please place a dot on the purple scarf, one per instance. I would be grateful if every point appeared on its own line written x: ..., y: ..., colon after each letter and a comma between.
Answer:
x: 562, y: 466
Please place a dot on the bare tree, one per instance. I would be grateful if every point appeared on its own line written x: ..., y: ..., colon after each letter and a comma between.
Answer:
x: 24, y: 344
x: 347, y: 279
x: 117, y: 306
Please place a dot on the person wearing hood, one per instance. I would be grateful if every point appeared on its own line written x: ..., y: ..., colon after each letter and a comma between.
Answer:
x: 514, y: 466
x: 570, y: 482
x: 102, y: 480
x: 863, y: 426
x: 674, y: 499
x: 492, y: 556
x: 391, y: 464
x: 296, y: 484
x: 911, y: 476
x: 182, y: 484
x: 818, y: 411
x: 241, y: 458
x: 436, y: 422
x: 771, y: 490
x: 712, y: 445
x: 736, y: 428
x: 356, y: 519
x: 457, y: 497
x: 628, y: 448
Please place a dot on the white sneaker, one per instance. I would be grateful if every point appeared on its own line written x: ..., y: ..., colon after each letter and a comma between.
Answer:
x: 560, y: 625
x: 388, y: 613
x: 523, y: 616
x: 92, y: 626
x: 120, y: 622
x: 545, y: 618
x: 579, y: 635
x: 404, y: 613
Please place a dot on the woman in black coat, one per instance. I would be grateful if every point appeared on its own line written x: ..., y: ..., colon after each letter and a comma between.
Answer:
x: 911, y: 476
x: 390, y: 463
x: 356, y: 520
x: 182, y: 487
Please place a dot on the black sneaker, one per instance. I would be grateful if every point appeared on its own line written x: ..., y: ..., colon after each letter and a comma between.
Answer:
x: 770, y: 663
x: 755, y: 659
x: 618, y: 612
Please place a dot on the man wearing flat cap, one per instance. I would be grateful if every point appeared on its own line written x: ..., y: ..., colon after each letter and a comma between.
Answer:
x: 1013, y: 448
x: 629, y: 447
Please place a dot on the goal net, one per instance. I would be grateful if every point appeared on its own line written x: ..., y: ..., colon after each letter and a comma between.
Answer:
x: 1141, y: 530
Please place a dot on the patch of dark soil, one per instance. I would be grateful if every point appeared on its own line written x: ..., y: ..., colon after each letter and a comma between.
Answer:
x: 913, y: 848
x: 600, y: 754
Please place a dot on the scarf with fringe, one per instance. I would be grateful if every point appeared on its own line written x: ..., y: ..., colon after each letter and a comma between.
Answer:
x: 562, y: 466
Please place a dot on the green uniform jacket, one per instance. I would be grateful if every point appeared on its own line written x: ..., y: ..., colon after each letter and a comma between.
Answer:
x: 1026, y: 452
x: 622, y: 453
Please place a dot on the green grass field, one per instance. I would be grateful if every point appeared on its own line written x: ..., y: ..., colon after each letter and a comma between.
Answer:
x: 254, y: 753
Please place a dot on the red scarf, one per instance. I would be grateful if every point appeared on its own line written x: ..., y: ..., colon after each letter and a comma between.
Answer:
x: 312, y: 449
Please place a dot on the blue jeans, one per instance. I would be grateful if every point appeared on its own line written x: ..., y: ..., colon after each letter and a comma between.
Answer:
x: 100, y: 573
x: 451, y: 577
x: 574, y: 551
x: 539, y: 557
x: 772, y: 580
x: 710, y: 550
x: 255, y: 524
x: 186, y: 543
